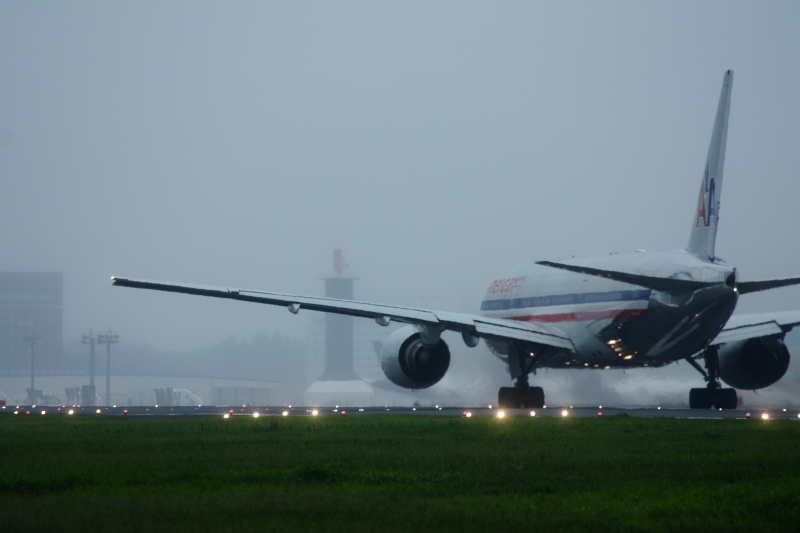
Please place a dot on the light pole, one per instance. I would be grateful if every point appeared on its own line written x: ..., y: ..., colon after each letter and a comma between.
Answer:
x: 32, y: 392
x: 108, y: 339
x: 89, y: 391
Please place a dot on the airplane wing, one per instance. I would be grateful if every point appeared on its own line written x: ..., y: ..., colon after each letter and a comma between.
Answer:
x: 741, y: 327
x: 472, y: 325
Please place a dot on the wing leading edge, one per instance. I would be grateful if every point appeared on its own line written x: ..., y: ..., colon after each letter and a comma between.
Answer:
x: 471, y: 325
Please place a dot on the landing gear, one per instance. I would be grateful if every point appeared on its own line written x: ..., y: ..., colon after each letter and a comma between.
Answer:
x: 521, y: 396
x: 713, y: 395
x: 725, y: 399
x: 707, y: 398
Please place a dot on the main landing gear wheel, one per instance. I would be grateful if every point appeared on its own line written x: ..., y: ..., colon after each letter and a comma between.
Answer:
x: 521, y: 397
x: 701, y: 398
x: 725, y: 399
x: 706, y: 398
x: 713, y: 395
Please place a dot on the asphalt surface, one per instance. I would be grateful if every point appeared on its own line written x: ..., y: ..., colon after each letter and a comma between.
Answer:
x: 151, y: 411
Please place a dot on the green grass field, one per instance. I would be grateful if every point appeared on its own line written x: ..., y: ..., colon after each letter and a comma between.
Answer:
x: 398, y: 473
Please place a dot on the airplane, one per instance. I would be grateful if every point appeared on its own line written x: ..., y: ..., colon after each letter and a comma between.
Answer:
x: 621, y: 310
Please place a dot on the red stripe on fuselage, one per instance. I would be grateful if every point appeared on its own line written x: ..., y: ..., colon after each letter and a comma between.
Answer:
x: 582, y: 316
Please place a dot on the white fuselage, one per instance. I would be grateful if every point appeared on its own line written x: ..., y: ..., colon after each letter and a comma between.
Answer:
x: 615, y: 324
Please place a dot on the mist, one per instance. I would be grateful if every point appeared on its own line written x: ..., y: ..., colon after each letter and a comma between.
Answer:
x: 438, y: 144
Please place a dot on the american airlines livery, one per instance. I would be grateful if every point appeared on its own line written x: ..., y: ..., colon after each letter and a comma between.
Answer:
x: 627, y: 310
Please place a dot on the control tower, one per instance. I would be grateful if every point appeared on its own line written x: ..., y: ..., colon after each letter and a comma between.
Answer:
x: 339, y: 384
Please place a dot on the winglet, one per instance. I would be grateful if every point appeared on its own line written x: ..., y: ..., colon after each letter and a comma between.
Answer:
x: 706, y: 218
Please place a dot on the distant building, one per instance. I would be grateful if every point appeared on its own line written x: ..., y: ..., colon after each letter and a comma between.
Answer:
x: 30, y: 306
x: 365, y: 359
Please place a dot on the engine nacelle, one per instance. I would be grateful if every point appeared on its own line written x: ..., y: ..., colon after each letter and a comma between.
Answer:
x: 753, y: 363
x: 407, y: 362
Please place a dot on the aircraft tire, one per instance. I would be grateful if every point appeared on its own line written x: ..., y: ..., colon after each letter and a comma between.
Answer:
x: 521, y: 398
x: 507, y: 398
x: 725, y: 399
x: 534, y: 398
x: 701, y: 398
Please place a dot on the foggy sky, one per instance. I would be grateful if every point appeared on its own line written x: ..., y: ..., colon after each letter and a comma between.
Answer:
x: 438, y: 143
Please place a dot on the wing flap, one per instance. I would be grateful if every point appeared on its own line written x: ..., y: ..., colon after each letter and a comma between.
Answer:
x: 747, y: 331
x: 527, y: 333
x: 741, y: 327
x: 786, y: 319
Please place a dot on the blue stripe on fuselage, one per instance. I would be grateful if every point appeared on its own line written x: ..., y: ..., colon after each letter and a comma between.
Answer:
x: 564, y: 299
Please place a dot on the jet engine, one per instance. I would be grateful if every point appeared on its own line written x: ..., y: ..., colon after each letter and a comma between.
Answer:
x: 753, y: 363
x: 409, y: 363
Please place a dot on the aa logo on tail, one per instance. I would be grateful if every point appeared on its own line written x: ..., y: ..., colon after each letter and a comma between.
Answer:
x: 706, y: 204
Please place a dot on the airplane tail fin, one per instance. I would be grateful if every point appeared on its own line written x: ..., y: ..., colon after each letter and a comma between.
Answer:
x: 706, y: 218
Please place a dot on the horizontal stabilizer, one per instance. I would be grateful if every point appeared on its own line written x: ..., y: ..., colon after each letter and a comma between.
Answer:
x: 754, y: 286
x: 674, y: 286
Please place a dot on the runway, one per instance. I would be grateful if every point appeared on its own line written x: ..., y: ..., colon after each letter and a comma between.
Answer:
x: 483, y: 411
